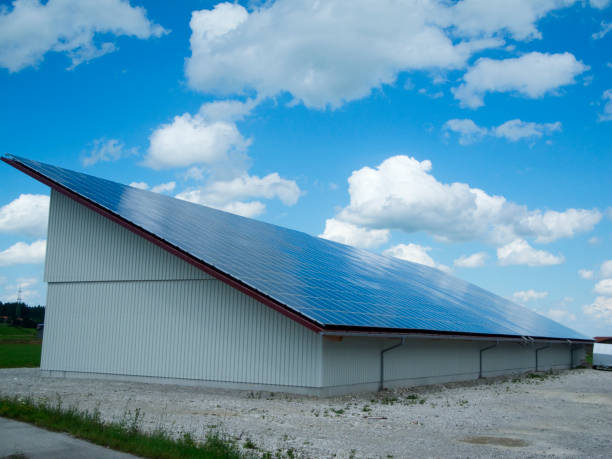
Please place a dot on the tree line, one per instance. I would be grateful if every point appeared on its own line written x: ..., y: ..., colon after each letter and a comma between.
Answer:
x: 21, y: 315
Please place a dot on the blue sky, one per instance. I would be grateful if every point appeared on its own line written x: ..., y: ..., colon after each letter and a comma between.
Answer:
x: 471, y: 136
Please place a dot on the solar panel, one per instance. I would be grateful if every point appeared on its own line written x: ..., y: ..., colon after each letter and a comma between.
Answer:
x: 332, y: 285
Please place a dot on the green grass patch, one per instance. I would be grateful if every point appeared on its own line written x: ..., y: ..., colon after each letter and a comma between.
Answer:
x: 125, y: 435
x: 19, y: 355
x: 19, y: 347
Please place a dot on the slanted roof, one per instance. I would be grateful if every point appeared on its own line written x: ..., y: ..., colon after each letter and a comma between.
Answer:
x: 322, y: 284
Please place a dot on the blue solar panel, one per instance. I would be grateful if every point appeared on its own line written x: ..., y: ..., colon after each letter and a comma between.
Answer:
x: 331, y: 284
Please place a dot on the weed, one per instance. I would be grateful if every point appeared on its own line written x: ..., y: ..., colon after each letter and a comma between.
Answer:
x: 338, y: 411
x: 248, y: 444
x: 462, y: 402
x: 366, y: 408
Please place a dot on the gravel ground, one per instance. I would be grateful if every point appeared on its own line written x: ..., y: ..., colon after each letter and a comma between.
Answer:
x: 568, y: 414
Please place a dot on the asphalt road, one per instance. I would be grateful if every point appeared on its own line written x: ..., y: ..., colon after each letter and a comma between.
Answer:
x: 32, y: 442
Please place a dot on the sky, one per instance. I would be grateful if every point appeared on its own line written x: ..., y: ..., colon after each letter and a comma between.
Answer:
x: 473, y: 136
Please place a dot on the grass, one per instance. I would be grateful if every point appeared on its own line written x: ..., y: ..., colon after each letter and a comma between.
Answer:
x: 20, y: 355
x: 122, y: 436
x: 19, y: 347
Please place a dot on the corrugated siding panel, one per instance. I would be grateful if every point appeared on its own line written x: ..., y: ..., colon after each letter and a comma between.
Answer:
x: 85, y: 246
x: 194, y: 329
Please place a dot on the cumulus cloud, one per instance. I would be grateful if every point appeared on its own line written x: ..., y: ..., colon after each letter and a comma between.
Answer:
x: 415, y: 253
x: 516, y: 129
x: 585, y: 273
x: 532, y: 75
x: 347, y: 233
x: 518, y: 17
x: 606, y: 269
x: 28, y: 214
x: 604, y: 287
x: 189, y: 140
x: 401, y: 193
x: 600, y: 309
x: 519, y: 252
x: 140, y: 185
x: 22, y: 253
x: 561, y: 315
x: 234, y: 51
x: 334, y: 55
x: 229, y: 195
x: 106, y: 150
x: 528, y: 295
x: 471, y: 261
x: 607, y: 110
x: 29, y: 29
x: 513, y: 130
x: 210, y: 144
x: 164, y: 187
x: 469, y: 132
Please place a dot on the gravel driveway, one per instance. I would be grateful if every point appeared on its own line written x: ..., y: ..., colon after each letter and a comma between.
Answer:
x: 569, y: 414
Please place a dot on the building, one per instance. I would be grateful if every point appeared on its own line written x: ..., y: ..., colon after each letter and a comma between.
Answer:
x: 145, y: 286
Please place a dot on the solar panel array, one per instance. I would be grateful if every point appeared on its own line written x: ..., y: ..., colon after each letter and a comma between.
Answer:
x: 332, y: 284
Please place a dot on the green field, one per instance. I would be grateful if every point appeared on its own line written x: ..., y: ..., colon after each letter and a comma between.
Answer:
x: 19, y: 347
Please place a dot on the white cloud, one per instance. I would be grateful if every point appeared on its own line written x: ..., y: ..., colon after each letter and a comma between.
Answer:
x: 189, y: 140
x: 604, y: 287
x: 532, y: 75
x: 229, y: 195
x: 140, y: 185
x: 24, y: 287
x: 585, y: 273
x: 415, y: 253
x: 22, y: 253
x: 30, y: 29
x: 164, y: 187
x: 347, y: 233
x: 107, y: 150
x: 605, y: 28
x: 518, y: 17
x: 324, y: 54
x: 402, y: 194
x: 561, y: 315
x: 334, y: 55
x: 594, y: 240
x: 469, y: 132
x: 599, y: 4
x: 28, y: 214
x: 607, y: 110
x: 513, y: 130
x: 519, y: 252
x: 606, y: 269
x: 471, y: 261
x: 527, y: 295
x: 600, y: 309
x: 516, y: 129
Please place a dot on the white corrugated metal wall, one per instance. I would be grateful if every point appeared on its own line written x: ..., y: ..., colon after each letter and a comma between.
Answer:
x: 118, y: 304
x: 356, y: 361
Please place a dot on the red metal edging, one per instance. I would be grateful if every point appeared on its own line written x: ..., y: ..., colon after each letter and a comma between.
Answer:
x: 167, y: 246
